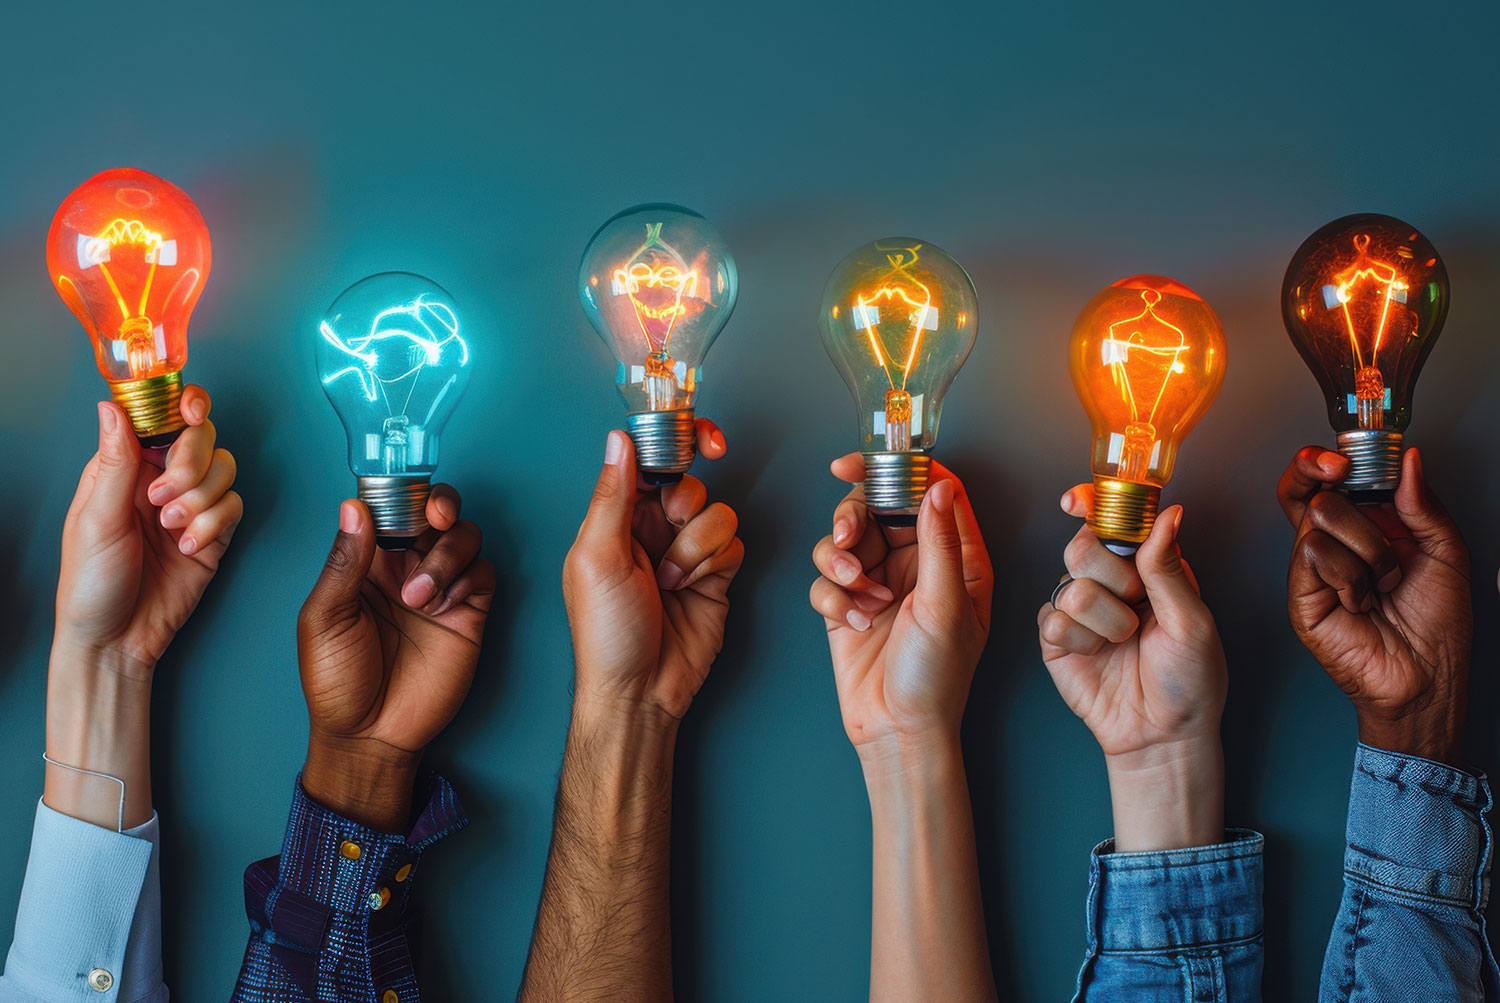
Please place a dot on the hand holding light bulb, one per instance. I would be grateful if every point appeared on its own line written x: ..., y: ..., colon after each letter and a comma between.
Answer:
x: 658, y: 284
x: 1147, y: 357
x: 394, y: 364
x: 129, y: 254
x: 899, y: 318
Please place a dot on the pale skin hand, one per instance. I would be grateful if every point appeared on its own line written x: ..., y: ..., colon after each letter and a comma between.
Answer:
x: 1135, y: 654
x: 387, y: 643
x: 142, y: 539
x: 1380, y: 595
x: 646, y: 585
x: 907, y: 612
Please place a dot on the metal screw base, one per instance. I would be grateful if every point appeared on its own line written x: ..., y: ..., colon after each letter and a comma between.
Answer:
x: 895, y: 484
x: 1123, y: 514
x: 154, y: 407
x: 1374, y: 463
x: 665, y: 443
x: 398, y: 504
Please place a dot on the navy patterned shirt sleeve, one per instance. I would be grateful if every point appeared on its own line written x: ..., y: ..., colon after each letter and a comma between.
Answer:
x: 1176, y: 926
x: 329, y: 917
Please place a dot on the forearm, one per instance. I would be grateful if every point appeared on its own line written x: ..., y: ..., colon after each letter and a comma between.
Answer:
x: 927, y: 936
x: 1168, y: 796
x: 98, y: 719
x: 603, y: 929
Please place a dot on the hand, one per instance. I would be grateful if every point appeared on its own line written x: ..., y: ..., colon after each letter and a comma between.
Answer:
x: 1380, y: 595
x: 907, y: 612
x: 646, y: 584
x: 388, y: 642
x: 141, y: 541
x: 1134, y: 652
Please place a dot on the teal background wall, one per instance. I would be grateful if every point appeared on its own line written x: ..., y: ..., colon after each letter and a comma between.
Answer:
x: 1052, y: 148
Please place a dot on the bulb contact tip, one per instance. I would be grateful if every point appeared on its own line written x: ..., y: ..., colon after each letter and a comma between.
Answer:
x: 1123, y: 513
x: 153, y: 406
x: 665, y: 443
x: 398, y: 506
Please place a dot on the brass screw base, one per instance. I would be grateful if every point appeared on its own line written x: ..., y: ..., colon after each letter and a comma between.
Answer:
x: 1374, y: 463
x: 398, y: 505
x: 895, y: 484
x: 1124, y: 512
x: 153, y: 405
x: 665, y: 443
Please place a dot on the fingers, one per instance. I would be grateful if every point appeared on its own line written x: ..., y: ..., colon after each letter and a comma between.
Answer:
x: 711, y: 442
x: 1311, y: 470
x: 1424, y: 516
x: 1087, y: 558
x: 845, y: 570
x: 849, y: 468
x: 839, y: 607
x: 215, y: 483
x: 1169, y: 586
x: 119, y: 460
x: 427, y: 587
x: 214, y: 524
x: 336, y: 592
x: 1078, y: 501
x: 188, y: 461
x: 1059, y: 630
x: 1098, y: 610
x: 939, y: 599
x: 707, y: 536
x: 1319, y: 561
x: 1342, y: 520
x: 850, y: 518
x: 194, y: 404
x: 443, y: 505
x: 612, y: 508
x: 682, y: 501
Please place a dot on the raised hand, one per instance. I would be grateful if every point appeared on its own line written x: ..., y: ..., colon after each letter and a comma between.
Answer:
x: 1380, y: 595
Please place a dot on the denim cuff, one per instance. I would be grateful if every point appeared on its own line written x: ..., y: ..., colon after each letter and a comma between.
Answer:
x: 1417, y: 828
x: 1176, y: 899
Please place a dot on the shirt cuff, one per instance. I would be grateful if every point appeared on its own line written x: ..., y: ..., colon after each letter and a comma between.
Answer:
x: 1171, y: 899
x: 77, y: 933
x: 1417, y: 828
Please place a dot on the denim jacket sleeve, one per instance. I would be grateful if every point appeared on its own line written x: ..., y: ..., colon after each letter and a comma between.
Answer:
x: 1410, y: 925
x: 1175, y: 925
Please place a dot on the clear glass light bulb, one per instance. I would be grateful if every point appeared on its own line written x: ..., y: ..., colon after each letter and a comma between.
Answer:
x: 658, y: 284
x: 394, y: 363
x: 898, y: 319
x: 129, y: 254
x: 1364, y: 300
x: 1147, y: 357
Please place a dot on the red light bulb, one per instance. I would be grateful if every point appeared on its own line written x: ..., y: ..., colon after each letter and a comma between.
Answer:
x: 129, y: 253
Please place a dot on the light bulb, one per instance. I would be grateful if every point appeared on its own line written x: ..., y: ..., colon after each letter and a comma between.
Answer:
x: 658, y: 284
x: 1147, y: 357
x: 394, y: 364
x: 898, y: 320
x: 129, y: 254
x: 1364, y: 299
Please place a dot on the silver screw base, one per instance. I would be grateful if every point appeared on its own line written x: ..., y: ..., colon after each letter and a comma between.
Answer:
x: 665, y: 443
x: 1374, y: 463
x: 895, y: 484
x: 398, y: 504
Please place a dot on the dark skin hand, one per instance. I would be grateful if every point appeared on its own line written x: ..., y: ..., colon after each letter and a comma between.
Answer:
x: 1380, y: 595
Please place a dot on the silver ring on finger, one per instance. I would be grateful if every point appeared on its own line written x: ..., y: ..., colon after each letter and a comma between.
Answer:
x: 1067, y: 580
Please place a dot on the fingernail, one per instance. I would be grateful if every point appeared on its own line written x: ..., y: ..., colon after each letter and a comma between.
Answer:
x: 881, y: 592
x: 942, y: 497
x: 199, y: 412
x: 172, y: 515
x: 158, y: 492
x: 348, y: 518
x: 858, y: 620
x: 614, y: 448
x: 842, y: 530
x: 419, y: 591
x: 845, y: 568
x: 109, y: 418
x: 1328, y: 463
x: 187, y: 544
x: 669, y: 575
x: 1391, y: 580
x: 868, y: 601
x: 717, y: 438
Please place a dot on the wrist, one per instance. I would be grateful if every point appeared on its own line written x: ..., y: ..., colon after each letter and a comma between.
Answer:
x: 1434, y: 732
x: 1168, y: 795
x: 78, y: 661
x: 364, y: 780
x: 907, y: 758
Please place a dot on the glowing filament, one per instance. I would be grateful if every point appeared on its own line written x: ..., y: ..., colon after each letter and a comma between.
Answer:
x: 911, y: 301
x: 1128, y: 342
x: 402, y: 343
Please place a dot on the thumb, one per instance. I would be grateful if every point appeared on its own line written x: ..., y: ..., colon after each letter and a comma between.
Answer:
x: 119, y: 464
x: 939, y: 595
x: 1420, y: 510
x: 1169, y: 589
x: 344, y: 572
x: 612, y: 509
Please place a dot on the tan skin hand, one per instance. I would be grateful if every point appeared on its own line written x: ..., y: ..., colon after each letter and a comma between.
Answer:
x: 903, y: 655
x: 132, y: 575
x: 646, y: 584
x: 1380, y: 594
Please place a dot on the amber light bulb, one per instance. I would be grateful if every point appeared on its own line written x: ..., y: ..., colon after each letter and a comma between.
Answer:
x: 1364, y: 300
x: 1147, y: 357
x: 129, y: 253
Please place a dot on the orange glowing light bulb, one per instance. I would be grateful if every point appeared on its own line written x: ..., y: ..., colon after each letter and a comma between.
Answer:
x: 1147, y: 358
x: 1364, y: 300
x: 129, y: 253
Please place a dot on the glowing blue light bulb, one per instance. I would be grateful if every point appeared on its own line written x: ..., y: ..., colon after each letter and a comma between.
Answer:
x: 394, y: 364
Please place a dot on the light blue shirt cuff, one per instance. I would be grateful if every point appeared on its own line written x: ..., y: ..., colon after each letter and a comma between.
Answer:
x: 90, y: 914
